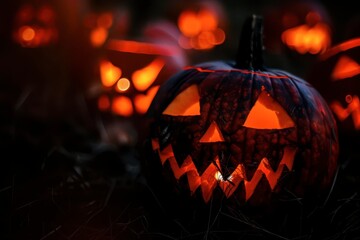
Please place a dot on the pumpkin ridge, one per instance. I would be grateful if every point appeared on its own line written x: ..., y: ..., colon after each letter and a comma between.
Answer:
x: 260, y: 73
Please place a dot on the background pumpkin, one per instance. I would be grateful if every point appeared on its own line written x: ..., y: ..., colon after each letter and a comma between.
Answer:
x: 240, y: 130
x: 336, y: 76
x: 130, y: 72
x: 298, y: 30
x: 35, y: 25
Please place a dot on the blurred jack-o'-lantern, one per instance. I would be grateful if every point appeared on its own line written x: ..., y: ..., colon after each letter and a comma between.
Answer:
x: 202, y: 24
x: 35, y: 25
x: 337, y: 76
x: 300, y: 26
x: 132, y: 70
x: 242, y: 131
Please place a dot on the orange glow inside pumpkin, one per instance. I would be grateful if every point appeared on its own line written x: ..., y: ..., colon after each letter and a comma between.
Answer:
x: 142, y: 47
x: 268, y: 114
x: 145, y: 77
x: 345, y: 68
x: 212, y: 134
x: 187, y: 103
x: 109, y: 73
x: 98, y: 36
x: 100, y: 26
x: 123, y: 84
x: 27, y: 33
x: 141, y: 79
x: 312, y: 37
x: 122, y: 105
x: 352, y: 43
x: 35, y: 27
x: 143, y: 101
x: 306, y: 39
x: 212, y: 176
x: 353, y: 109
x: 199, y: 30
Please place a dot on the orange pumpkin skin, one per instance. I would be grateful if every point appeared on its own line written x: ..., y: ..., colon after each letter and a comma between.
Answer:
x: 221, y: 147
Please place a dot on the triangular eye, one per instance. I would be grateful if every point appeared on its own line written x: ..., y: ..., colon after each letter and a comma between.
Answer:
x: 212, y: 134
x: 345, y: 68
x: 268, y: 114
x: 187, y: 103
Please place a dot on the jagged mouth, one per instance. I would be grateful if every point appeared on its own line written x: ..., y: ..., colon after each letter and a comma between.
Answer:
x: 212, y: 177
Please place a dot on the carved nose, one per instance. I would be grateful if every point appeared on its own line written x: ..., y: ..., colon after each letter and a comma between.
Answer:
x: 212, y: 134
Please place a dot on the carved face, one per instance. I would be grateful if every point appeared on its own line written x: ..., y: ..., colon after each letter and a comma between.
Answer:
x: 35, y: 26
x: 129, y: 91
x: 302, y: 27
x: 133, y: 71
x: 337, y: 76
x: 245, y: 133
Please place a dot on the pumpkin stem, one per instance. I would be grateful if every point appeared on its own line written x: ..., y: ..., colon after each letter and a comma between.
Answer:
x: 250, y: 50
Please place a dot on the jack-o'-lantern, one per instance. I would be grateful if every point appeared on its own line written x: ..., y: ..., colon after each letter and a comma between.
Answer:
x: 240, y: 131
x: 132, y: 71
x: 336, y: 75
x: 35, y: 25
x: 299, y: 26
x: 202, y: 24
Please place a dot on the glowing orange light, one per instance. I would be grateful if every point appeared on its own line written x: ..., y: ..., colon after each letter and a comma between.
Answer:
x: 306, y: 39
x: 212, y: 176
x: 208, y: 20
x: 199, y: 30
x: 104, y: 103
x: 352, y: 43
x: 352, y: 109
x: 212, y: 134
x: 268, y: 114
x: 109, y: 73
x: 98, y: 36
x: 219, y: 36
x: 142, y: 102
x: 189, y: 23
x: 122, y: 106
x: 187, y: 103
x: 141, y: 47
x: 145, y: 77
x: 27, y: 33
x: 345, y: 68
x: 205, y: 40
x: 123, y: 84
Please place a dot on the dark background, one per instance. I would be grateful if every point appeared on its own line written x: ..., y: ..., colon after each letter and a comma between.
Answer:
x: 61, y: 179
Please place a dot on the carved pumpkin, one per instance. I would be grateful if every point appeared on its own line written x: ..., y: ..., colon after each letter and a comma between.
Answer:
x: 201, y: 23
x: 35, y: 25
x: 242, y: 131
x: 132, y: 70
x: 299, y: 26
x: 336, y: 75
